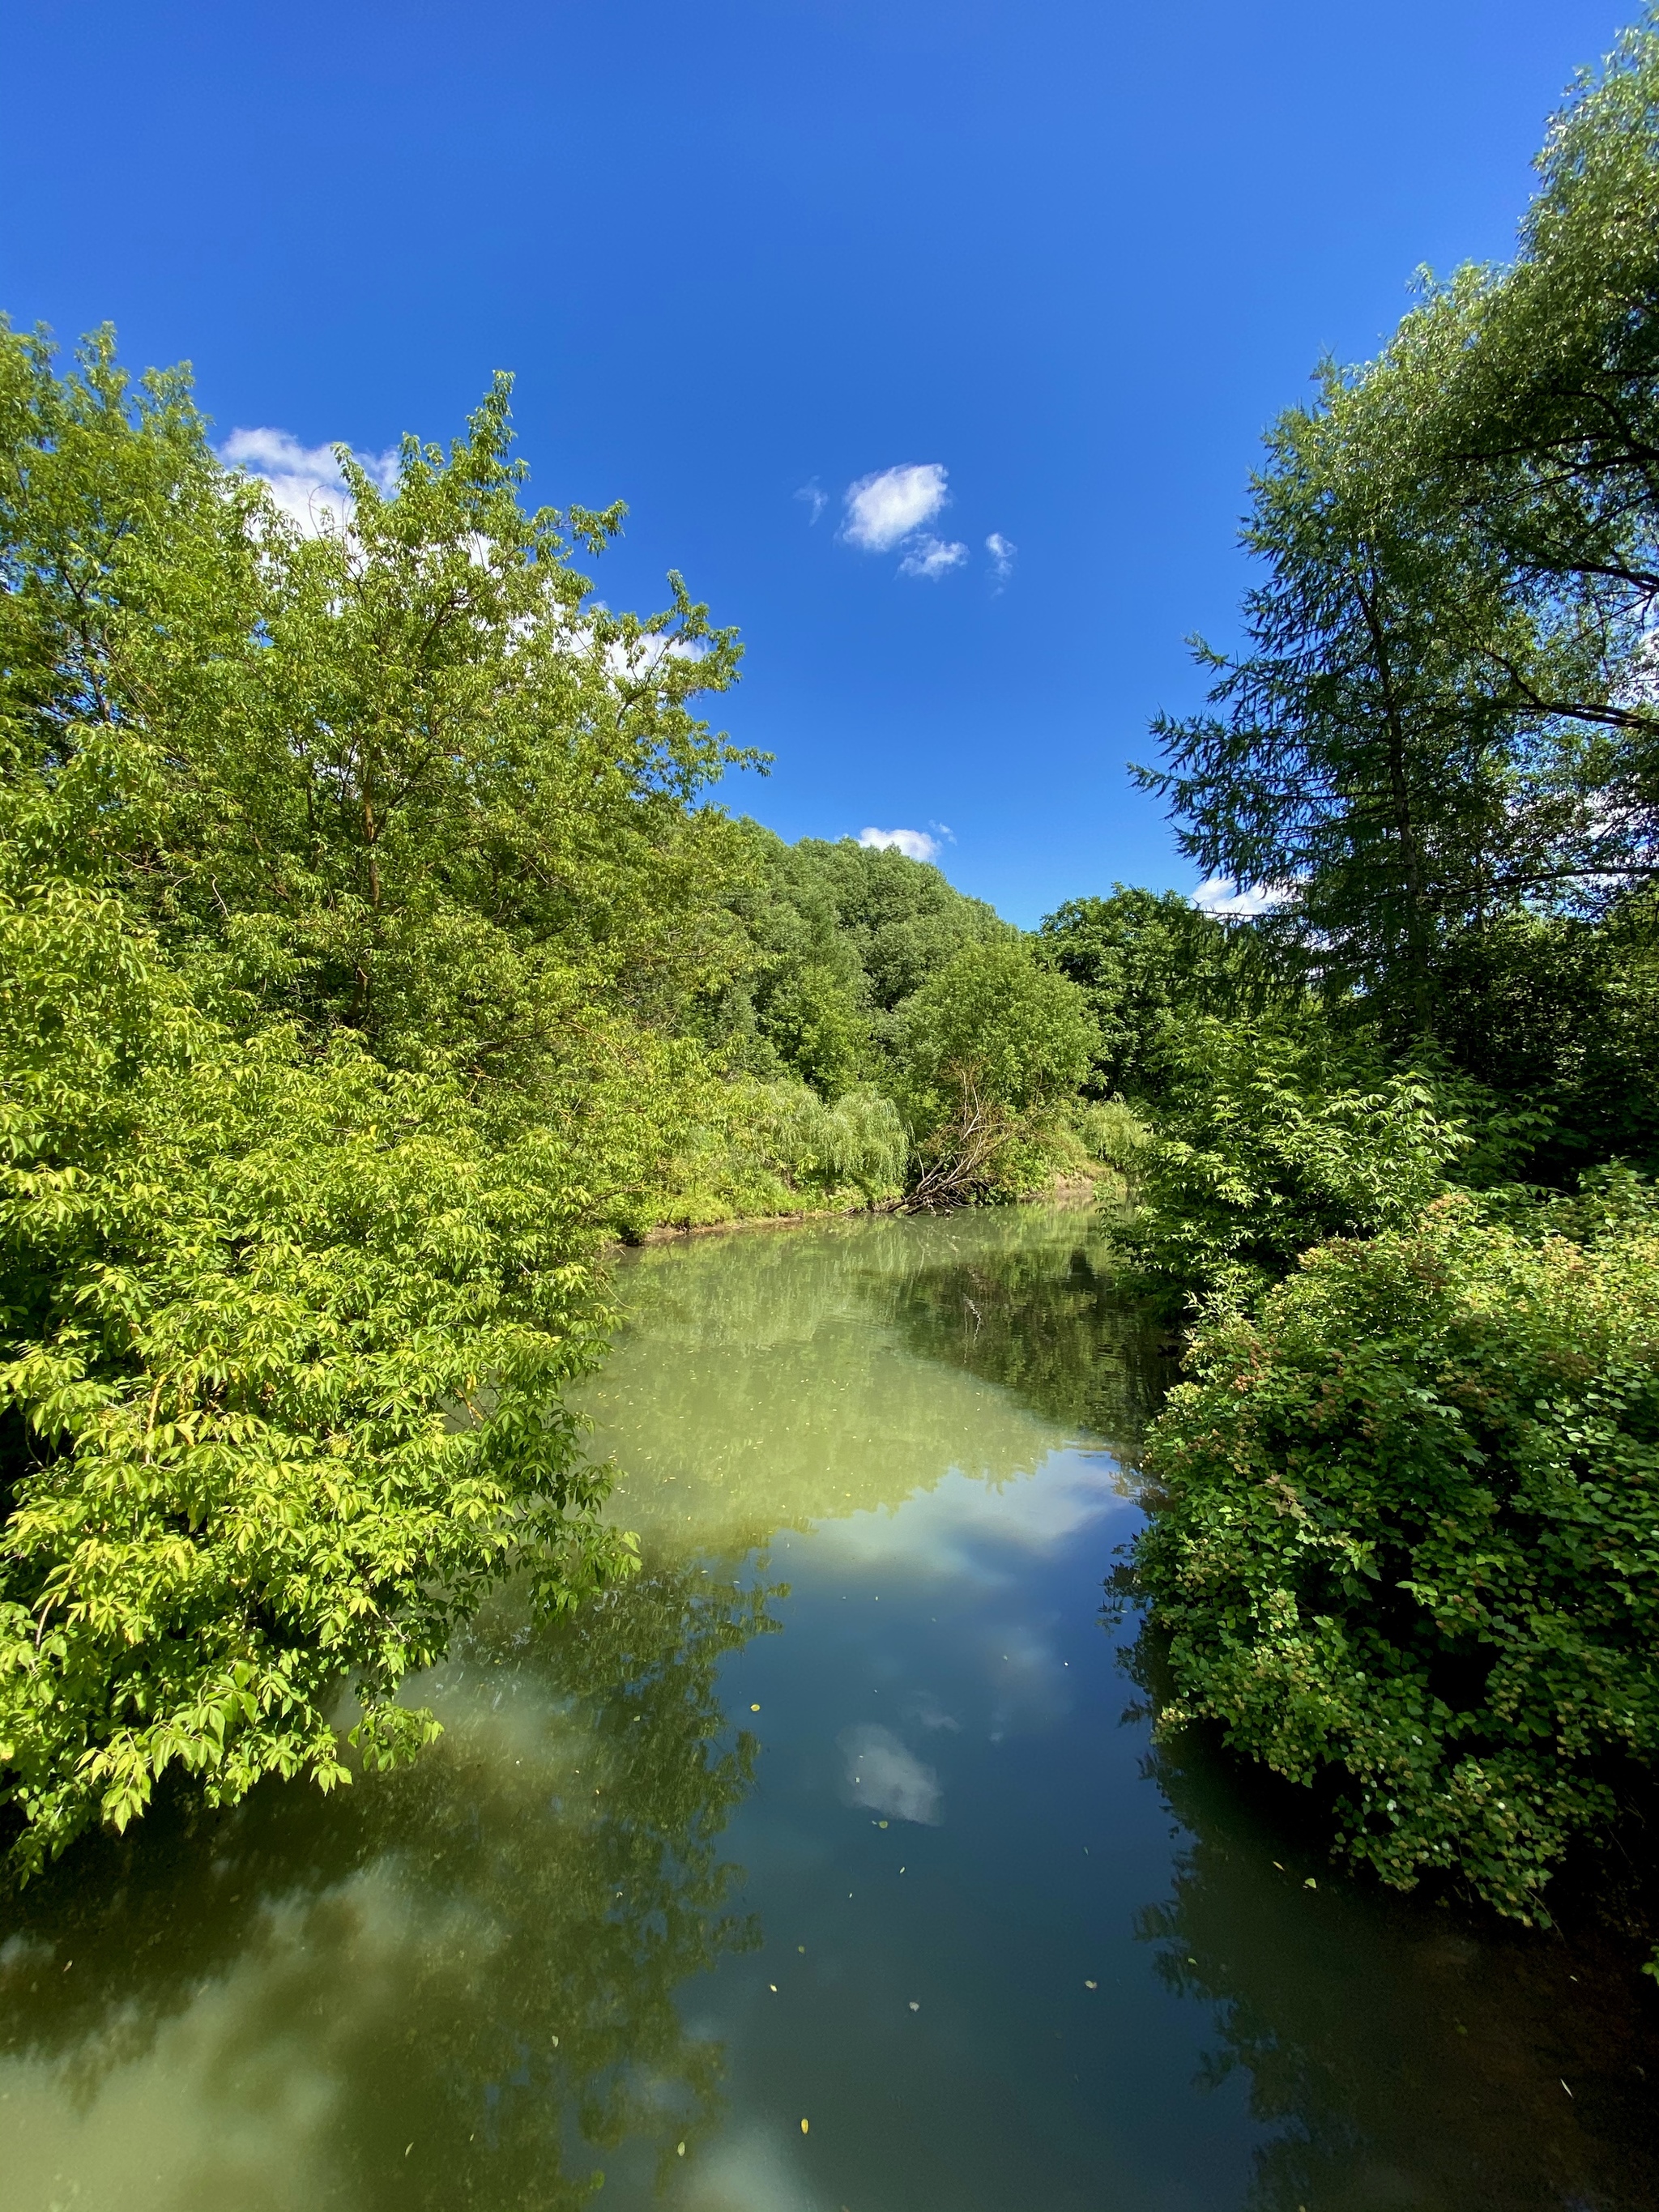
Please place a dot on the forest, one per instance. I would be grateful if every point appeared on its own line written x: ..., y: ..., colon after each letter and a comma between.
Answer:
x: 378, y: 958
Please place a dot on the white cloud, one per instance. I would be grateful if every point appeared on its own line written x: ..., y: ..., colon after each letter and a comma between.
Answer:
x: 915, y: 842
x: 885, y: 507
x: 305, y: 481
x: 883, y: 1775
x: 1002, y: 552
x: 931, y: 557
x: 1231, y: 902
x: 626, y: 664
x: 814, y: 497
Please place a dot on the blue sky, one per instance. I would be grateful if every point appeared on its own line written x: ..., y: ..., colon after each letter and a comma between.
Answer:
x: 1063, y: 261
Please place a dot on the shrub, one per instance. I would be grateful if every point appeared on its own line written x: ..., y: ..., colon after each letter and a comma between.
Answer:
x: 1407, y: 1543
x: 288, y: 1337
x: 1280, y: 1138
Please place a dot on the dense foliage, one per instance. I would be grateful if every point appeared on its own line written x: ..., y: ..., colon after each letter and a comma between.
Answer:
x: 843, y: 935
x: 1147, y: 964
x: 1403, y: 1548
x: 1408, y: 1542
x: 351, y: 890
x: 1273, y: 1135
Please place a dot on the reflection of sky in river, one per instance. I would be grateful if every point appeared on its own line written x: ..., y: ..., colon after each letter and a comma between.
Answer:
x: 975, y: 1529
x: 998, y: 1961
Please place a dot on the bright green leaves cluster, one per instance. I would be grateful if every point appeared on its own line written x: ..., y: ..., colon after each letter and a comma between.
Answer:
x: 293, y: 1335
x: 1273, y: 1136
x: 353, y: 894
x: 1407, y: 1542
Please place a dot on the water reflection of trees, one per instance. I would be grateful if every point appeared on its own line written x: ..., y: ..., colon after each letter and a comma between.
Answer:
x: 1398, y: 2061
x: 478, y: 1957
x: 770, y: 1381
x: 765, y: 1385
x: 1042, y: 1318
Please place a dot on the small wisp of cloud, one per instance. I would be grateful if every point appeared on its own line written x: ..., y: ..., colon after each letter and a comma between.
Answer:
x: 931, y: 557
x: 305, y: 481
x: 916, y: 844
x: 814, y: 497
x: 1002, y: 552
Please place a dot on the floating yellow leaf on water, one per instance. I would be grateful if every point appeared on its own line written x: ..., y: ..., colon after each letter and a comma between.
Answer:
x: 915, y: 2006
x: 679, y: 2150
x: 754, y: 1709
x: 881, y: 1824
x: 773, y: 1987
x: 1310, y: 1883
x: 1091, y: 1985
x: 803, y: 2127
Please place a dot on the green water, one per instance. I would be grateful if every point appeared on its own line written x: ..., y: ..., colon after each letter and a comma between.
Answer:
x: 844, y: 1812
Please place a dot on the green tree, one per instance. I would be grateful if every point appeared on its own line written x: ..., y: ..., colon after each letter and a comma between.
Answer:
x: 994, y: 1049
x: 1375, y: 762
x: 839, y: 937
x: 354, y: 889
x: 1147, y: 962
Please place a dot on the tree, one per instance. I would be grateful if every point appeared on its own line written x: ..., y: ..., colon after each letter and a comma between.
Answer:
x: 1375, y: 763
x: 1445, y: 716
x: 994, y: 1048
x: 353, y: 891
x: 1145, y: 963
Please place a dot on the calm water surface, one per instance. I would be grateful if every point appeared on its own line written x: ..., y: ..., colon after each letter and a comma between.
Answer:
x: 843, y: 1813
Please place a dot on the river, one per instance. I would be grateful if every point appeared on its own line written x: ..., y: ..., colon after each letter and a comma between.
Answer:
x: 828, y: 1867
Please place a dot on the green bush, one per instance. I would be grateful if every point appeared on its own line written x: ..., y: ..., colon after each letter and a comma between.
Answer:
x: 1279, y: 1137
x: 1406, y: 1546
x: 289, y: 1335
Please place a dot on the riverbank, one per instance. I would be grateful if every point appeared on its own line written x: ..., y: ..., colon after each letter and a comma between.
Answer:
x: 1074, y: 1188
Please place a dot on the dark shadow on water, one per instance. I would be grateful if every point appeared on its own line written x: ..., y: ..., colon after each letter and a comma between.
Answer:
x: 1037, y: 1312
x: 1406, y: 2056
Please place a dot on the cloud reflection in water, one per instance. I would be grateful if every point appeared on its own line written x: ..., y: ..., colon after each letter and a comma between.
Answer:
x: 883, y: 1775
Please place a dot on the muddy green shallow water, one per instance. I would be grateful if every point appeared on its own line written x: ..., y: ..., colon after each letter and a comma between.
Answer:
x: 828, y: 1867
